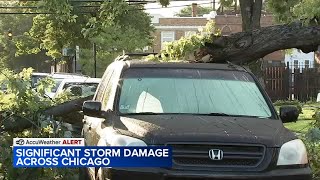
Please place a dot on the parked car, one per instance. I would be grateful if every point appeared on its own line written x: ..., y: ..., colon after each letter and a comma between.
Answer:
x: 217, y: 118
x: 59, y: 77
x: 82, y: 87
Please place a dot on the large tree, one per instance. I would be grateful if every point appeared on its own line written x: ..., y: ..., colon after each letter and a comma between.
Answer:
x: 113, y: 26
x: 17, y: 24
x: 299, y: 29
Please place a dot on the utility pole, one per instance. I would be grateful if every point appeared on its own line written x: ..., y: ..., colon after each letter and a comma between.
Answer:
x: 76, y: 58
x: 95, y: 59
x: 214, y: 5
x: 55, y: 65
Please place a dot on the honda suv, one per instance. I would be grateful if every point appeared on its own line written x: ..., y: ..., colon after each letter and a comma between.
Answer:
x: 217, y: 118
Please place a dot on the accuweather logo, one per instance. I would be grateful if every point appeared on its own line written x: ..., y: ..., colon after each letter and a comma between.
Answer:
x: 48, y: 142
x: 20, y: 142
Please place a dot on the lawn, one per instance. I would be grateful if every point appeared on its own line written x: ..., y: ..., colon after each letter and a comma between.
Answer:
x: 301, y: 126
x: 305, y: 119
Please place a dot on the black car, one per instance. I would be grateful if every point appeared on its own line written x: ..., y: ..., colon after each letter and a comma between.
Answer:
x: 217, y: 118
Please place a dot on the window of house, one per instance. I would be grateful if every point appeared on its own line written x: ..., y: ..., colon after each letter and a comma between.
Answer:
x: 226, y: 31
x: 167, y: 36
x: 189, y: 33
x: 296, y: 64
x: 306, y: 64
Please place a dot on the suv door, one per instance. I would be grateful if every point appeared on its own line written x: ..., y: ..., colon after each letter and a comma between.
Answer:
x: 90, y: 124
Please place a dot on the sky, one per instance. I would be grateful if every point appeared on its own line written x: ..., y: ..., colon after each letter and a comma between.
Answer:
x: 175, y: 7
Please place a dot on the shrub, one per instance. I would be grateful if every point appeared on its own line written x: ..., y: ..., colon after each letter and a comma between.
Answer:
x: 313, y: 155
x: 312, y: 141
x: 19, y: 104
x: 292, y: 103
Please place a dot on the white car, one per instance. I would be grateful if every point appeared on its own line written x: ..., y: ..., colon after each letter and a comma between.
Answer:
x: 82, y: 87
x: 59, y: 77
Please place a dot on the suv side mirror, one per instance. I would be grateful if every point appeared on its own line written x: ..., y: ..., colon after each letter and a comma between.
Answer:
x: 289, y: 114
x: 92, y: 108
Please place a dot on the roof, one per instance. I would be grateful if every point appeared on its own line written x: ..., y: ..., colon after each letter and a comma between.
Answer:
x: 88, y: 80
x: 175, y: 7
x: 186, y: 65
x: 40, y: 74
x: 67, y: 75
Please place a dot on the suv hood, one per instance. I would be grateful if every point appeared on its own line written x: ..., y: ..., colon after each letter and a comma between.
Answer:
x: 162, y: 129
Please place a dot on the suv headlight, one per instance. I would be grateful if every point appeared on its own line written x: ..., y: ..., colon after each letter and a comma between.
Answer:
x: 122, y: 140
x: 292, y: 153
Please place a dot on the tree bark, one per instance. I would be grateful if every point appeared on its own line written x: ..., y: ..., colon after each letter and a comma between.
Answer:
x: 251, y: 14
x: 67, y: 107
x: 245, y: 47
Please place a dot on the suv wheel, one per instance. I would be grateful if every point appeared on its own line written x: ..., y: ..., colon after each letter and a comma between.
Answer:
x: 84, y: 174
x: 102, y: 174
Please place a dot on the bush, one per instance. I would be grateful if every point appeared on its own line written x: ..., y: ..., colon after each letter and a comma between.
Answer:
x: 21, y: 115
x: 312, y: 141
x: 313, y: 155
x: 291, y: 103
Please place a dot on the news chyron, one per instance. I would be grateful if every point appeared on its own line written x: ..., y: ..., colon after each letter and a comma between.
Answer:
x: 72, y: 152
x: 48, y: 142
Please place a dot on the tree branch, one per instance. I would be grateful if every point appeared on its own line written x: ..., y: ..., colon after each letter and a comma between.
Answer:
x: 249, y: 46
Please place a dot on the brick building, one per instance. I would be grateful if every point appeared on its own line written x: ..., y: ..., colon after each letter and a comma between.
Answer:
x: 170, y: 29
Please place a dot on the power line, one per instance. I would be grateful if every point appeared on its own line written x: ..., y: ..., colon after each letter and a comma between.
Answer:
x: 40, y: 13
x: 34, y: 7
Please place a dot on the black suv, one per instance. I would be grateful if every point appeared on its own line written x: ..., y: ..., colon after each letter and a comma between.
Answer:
x: 217, y: 118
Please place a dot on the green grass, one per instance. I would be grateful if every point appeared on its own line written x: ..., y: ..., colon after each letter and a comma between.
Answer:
x: 307, y: 113
x: 301, y: 126
x: 305, y: 119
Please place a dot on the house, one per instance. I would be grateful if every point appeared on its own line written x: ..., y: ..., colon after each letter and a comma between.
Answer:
x: 299, y: 60
x: 170, y: 29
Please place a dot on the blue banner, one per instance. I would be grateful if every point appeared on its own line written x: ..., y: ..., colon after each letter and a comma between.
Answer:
x: 96, y: 156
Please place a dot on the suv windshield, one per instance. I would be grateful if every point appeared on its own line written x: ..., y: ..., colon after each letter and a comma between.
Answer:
x: 191, y: 91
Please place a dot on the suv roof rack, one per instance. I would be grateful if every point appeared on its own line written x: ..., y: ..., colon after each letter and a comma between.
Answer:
x: 127, y: 56
x: 68, y: 74
x: 235, y: 66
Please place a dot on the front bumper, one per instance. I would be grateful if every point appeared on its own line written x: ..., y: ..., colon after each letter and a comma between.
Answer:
x: 164, y: 174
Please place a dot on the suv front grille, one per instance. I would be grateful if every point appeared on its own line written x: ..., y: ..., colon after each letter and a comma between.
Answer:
x: 235, y: 156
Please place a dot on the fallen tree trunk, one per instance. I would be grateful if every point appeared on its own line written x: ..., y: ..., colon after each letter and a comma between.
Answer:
x: 245, y: 47
x: 15, y: 124
x: 68, y: 111
x: 67, y: 107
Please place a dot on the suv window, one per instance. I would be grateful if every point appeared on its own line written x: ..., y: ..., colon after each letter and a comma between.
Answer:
x: 107, y: 91
x: 191, y: 91
x: 103, y: 85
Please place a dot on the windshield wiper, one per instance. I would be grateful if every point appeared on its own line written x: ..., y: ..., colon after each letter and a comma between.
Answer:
x: 233, y: 115
x: 216, y: 114
x: 260, y: 117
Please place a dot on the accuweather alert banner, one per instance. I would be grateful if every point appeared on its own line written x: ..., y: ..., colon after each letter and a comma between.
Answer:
x: 71, y: 152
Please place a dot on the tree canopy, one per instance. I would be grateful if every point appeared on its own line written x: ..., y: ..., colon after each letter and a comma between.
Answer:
x: 114, y: 26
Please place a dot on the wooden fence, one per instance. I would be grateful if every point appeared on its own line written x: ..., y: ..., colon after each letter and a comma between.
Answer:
x: 284, y: 82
